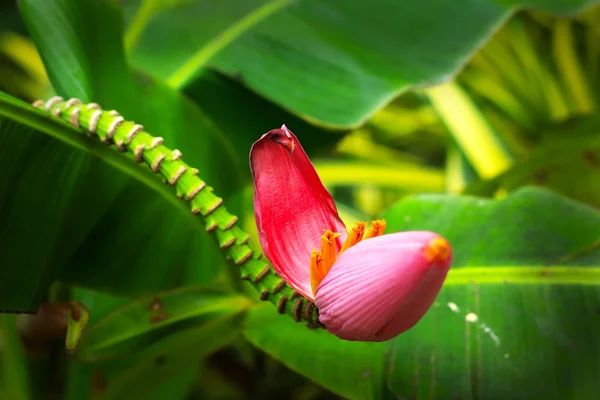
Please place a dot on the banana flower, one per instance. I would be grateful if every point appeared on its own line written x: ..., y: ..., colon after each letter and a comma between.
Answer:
x: 367, y: 286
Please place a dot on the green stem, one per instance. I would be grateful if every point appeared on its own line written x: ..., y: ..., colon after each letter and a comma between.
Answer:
x: 135, y: 143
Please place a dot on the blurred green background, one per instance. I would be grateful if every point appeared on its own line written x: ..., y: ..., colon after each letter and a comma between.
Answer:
x: 475, y: 119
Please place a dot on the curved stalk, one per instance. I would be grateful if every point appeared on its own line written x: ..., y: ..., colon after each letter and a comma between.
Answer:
x: 134, y: 142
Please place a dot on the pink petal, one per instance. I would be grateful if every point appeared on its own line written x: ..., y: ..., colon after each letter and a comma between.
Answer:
x: 382, y: 286
x: 291, y: 206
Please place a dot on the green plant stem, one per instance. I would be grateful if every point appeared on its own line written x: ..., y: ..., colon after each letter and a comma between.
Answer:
x: 133, y: 142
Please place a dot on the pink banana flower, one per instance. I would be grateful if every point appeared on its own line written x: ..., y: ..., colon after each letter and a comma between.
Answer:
x: 366, y: 285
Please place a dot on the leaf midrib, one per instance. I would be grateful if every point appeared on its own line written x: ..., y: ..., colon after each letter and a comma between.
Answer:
x: 190, y: 68
x: 540, y: 275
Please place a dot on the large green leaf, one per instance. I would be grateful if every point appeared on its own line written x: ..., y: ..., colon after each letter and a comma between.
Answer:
x: 245, y: 116
x: 60, y: 31
x: 81, y: 61
x: 178, y: 250
x: 81, y: 46
x: 518, y: 307
x: 334, y: 61
x: 164, y: 112
x: 33, y: 212
x: 39, y: 154
x: 65, y: 204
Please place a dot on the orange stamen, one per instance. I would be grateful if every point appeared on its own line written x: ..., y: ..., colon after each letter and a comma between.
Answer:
x: 316, y: 276
x: 355, y: 236
x: 322, y: 261
x: 328, y: 250
x: 377, y: 228
x: 438, y: 249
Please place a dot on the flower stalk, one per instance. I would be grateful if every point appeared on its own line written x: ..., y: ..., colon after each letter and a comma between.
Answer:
x: 134, y: 142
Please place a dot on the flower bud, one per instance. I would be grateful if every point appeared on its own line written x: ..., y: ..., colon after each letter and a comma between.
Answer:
x: 383, y: 286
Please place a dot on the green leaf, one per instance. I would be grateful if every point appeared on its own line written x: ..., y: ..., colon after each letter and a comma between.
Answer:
x: 330, y: 61
x: 28, y: 157
x: 62, y: 234
x: 172, y: 356
x: 79, y: 378
x: 350, y: 369
x: 183, y: 240
x: 408, y: 176
x: 158, y: 357
x: 179, y: 251
x: 24, y: 116
x: 567, y: 161
x: 228, y: 20
x: 81, y: 61
x: 82, y: 226
x: 33, y: 216
x: 176, y: 387
x: 459, y: 172
x: 570, y: 69
x: 23, y: 73
x: 524, y: 277
x: 82, y: 379
x: 140, y: 323
x: 9, y: 17
x: 167, y: 164
x: 89, y: 64
x: 220, y: 98
x: 513, y: 73
x: 469, y: 127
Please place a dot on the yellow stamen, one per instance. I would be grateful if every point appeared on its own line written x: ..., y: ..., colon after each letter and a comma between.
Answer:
x: 377, y: 228
x: 328, y: 250
x: 322, y: 261
x: 355, y: 236
x: 438, y: 249
x: 316, y: 276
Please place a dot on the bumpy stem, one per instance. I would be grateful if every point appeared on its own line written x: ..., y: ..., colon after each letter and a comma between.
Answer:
x: 133, y: 141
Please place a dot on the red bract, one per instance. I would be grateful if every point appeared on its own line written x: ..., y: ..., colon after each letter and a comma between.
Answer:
x: 367, y: 287
x: 291, y: 206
